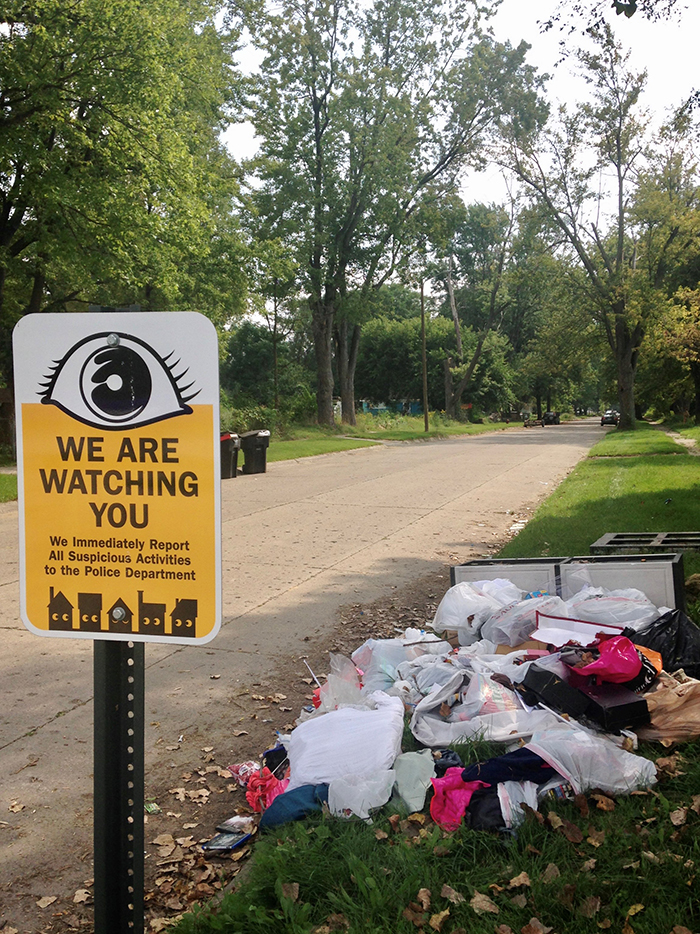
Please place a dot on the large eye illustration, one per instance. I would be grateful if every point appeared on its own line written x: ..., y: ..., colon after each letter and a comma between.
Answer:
x: 115, y: 380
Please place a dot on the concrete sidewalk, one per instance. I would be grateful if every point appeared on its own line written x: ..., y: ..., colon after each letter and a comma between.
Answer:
x: 298, y: 542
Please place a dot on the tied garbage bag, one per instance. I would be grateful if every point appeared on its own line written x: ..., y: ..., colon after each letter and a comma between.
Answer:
x: 359, y: 794
x: 516, y: 623
x: 588, y: 761
x: 677, y: 639
x: 380, y: 659
x: 345, y: 742
x: 621, y: 608
x: 466, y: 606
x: 413, y: 773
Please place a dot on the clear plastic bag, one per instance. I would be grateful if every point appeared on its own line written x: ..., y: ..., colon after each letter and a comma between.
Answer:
x: 587, y: 761
x: 342, y: 686
x: 483, y: 696
x: 511, y: 795
x: 466, y: 606
x: 515, y: 624
x: 359, y: 794
x: 622, y: 608
x: 380, y: 658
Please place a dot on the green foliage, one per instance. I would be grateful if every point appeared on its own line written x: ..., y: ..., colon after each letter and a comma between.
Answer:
x: 8, y: 487
x: 113, y: 181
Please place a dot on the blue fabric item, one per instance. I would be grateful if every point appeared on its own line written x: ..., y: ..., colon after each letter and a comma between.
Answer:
x: 522, y: 765
x: 294, y: 805
x: 449, y: 759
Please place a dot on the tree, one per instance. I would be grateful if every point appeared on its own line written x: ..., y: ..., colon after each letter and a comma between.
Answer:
x: 362, y: 113
x: 112, y: 180
x: 612, y: 127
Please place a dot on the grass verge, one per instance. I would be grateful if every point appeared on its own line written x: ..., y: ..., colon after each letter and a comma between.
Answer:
x: 290, y: 450
x: 645, y: 439
x: 8, y: 487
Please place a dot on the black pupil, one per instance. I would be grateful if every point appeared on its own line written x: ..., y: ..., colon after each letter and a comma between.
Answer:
x: 131, y: 392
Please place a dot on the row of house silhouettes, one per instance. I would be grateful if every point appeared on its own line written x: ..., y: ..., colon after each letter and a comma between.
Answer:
x: 151, y: 618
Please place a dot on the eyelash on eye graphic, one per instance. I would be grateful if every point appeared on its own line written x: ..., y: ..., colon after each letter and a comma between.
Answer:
x: 113, y: 380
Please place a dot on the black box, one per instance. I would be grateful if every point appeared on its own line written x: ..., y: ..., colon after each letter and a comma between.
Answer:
x: 615, y: 707
x: 555, y: 690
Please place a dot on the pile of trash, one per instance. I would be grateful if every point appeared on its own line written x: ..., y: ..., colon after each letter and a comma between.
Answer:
x: 567, y: 686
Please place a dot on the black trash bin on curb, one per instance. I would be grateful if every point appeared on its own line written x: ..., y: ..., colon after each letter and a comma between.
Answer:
x: 254, y: 445
x: 230, y: 443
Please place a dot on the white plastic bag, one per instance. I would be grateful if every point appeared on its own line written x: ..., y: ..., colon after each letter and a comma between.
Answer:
x: 342, y: 687
x: 431, y: 729
x: 516, y: 623
x: 622, y: 608
x: 359, y: 794
x: 466, y: 606
x: 346, y: 742
x: 511, y: 795
x: 483, y: 696
x: 379, y: 659
x: 588, y: 761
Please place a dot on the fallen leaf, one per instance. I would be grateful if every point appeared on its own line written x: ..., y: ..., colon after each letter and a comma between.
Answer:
x: 46, y: 901
x: 482, y: 904
x: 534, y: 926
x: 677, y: 929
x: 589, y: 865
x: 634, y: 865
x: 595, y: 837
x: 81, y: 896
x: 423, y: 898
x: 555, y: 822
x: 520, y: 901
x: 517, y: 881
x: 550, y: 873
x: 241, y: 733
x: 566, y: 896
x: 695, y: 806
x: 381, y: 835
x: 189, y: 826
x: 668, y: 766
x: 394, y: 821
x: 436, y: 921
x: 179, y: 794
x: 15, y: 807
x: 572, y: 832
x: 163, y: 839
x: 605, y: 924
x: 496, y: 887
x: 581, y: 803
x: 651, y: 857
x: 416, y: 818
x: 533, y: 849
x: 502, y: 929
x: 603, y: 803
x: 10, y: 930
x: 414, y: 915
x: 627, y: 928
x: 678, y: 817
x: 531, y: 813
x: 589, y: 906
x: 290, y: 890
x: 449, y: 893
x: 634, y: 910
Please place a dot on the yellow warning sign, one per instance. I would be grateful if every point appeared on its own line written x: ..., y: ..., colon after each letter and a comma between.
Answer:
x: 120, y: 524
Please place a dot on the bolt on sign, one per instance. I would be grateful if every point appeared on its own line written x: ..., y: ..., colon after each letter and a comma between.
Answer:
x: 118, y: 475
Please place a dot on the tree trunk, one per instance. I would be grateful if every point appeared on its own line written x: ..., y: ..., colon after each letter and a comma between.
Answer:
x: 450, y: 399
x: 626, y: 360
x: 322, y: 328
x: 347, y: 346
x: 695, y: 373
x: 453, y: 309
x: 35, y: 298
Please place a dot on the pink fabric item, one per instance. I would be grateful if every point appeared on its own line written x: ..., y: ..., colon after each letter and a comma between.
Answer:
x: 263, y: 788
x: 451, y: 798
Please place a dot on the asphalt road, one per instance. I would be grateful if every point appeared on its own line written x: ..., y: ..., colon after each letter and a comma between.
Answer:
x: 298, y: 542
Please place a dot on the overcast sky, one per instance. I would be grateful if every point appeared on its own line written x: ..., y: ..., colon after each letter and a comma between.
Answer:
x: 668, y: 50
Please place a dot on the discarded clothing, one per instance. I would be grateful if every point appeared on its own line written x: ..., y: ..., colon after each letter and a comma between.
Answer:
x: 263, y: 788
x: 294, y: 805
x: 446, y: 759
x: 521, y: 765
x: 451, y: 798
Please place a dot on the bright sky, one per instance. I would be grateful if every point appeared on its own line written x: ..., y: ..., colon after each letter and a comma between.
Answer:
x: 668, y: 50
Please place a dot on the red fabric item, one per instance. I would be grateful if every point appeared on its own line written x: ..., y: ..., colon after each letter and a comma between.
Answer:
x: 263, y: 788
x: 451, y: 798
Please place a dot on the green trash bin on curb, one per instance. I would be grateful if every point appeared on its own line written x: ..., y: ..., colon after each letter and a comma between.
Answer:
x: 230, y: 443
x: 254, y: 445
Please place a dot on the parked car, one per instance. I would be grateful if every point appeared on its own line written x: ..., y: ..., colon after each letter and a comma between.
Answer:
x: 550, y: 418
x: 610, y: 417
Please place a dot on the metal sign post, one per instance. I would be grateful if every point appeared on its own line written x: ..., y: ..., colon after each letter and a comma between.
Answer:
x: 119, y: 501
x: 118, y: 787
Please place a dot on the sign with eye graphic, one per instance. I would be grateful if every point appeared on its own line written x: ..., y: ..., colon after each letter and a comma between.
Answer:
x: 118, y: 475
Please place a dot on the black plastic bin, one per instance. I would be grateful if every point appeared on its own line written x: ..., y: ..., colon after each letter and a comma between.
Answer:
x: 230, y: 443
x: 254, y: 445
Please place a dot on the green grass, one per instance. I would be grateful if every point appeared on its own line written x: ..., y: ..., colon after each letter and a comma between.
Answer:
x: 8, y: 487
x: 361, y: 878
x: 645, y: 439
x: 290, y: 450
